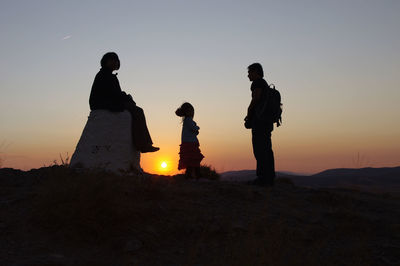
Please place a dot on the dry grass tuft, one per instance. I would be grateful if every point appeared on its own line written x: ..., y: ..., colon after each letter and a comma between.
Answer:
x: 209, y: 172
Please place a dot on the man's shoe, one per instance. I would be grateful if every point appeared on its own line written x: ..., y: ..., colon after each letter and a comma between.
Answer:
x: 149, y: 149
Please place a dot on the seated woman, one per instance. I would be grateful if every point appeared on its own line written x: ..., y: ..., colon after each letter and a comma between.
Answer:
x: 106, y: 94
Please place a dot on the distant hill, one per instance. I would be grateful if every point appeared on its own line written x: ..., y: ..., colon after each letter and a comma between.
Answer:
x: 362, y: 172
x: 386, y: 179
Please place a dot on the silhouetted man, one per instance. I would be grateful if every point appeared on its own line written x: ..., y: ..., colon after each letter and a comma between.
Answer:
x: 261, y: 128
x: 106, y: 94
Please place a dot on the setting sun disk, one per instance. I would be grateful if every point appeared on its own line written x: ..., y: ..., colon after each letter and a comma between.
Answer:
x: 163, y: 164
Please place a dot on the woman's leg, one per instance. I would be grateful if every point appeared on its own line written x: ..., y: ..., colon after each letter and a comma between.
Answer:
x: 140, y: 132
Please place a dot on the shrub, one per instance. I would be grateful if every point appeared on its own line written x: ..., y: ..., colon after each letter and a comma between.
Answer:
x: 209, y: 172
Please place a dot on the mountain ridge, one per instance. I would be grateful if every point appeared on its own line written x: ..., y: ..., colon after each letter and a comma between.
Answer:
x: 383, y: 180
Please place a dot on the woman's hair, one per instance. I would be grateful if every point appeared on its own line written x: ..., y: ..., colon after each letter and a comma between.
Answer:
x: 108, y: 56
x: 184, y: 110
x: 256, y: 67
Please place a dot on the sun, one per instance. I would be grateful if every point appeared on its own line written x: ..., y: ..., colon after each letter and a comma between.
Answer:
x: 163, y: 165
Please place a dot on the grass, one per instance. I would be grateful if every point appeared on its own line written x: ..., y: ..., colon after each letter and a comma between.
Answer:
x: 206, y: 223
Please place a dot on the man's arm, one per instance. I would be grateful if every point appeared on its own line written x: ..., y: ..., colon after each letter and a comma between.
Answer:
x: 255, y: 98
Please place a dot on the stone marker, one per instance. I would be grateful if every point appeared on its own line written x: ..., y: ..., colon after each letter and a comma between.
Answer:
x: 106, y: 143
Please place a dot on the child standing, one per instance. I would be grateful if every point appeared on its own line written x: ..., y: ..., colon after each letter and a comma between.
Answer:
x: 190, y: 155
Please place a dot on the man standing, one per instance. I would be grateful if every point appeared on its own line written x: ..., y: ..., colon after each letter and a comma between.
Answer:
x: 261, y: 127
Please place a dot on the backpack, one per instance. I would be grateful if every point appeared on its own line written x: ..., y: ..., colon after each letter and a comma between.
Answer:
x: 271, y: 109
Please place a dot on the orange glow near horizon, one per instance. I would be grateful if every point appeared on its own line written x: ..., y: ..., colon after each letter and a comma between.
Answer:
x: 160, y: 165
x: 296, y: 160
x: 299, y: 154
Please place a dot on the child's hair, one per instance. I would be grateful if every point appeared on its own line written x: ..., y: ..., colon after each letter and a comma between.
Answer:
x: 184, y: 110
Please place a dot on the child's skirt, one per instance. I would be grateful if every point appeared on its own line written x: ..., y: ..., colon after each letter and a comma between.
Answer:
x: 190, y: 155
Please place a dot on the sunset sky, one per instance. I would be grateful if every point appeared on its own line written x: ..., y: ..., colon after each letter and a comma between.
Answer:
x: 336, y: 64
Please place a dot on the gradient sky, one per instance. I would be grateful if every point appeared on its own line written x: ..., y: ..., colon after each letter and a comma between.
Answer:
x: 336, y: 64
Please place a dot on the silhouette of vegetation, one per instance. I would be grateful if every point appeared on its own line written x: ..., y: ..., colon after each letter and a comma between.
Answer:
x: 360, y: 161
x: 64, y: 162
x: 209, y: 172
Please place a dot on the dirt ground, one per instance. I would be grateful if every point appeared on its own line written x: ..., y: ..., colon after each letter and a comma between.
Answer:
x: 54, y: 216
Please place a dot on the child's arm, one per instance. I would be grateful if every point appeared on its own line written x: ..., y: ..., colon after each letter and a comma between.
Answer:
x: 195, y: 128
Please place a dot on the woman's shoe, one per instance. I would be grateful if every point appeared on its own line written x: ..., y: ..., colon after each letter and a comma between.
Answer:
x: 149, y: 149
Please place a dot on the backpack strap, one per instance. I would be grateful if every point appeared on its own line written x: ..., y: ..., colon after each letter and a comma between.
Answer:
x: 265, y: 99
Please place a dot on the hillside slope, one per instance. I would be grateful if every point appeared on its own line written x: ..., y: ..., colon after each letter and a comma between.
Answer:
x: 54, y: 216
x: 381, y: 180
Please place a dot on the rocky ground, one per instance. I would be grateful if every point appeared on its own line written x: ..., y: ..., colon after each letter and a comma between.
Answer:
x: 55, y: 216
